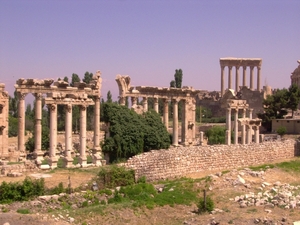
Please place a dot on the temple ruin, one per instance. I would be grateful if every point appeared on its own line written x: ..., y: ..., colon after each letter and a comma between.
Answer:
x: 4, y: 107
x: 174, y: 95
x: 54, y: 94
x: 237, y: 63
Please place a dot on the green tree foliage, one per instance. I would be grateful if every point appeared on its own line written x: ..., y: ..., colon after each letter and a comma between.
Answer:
x: 13, y: 105
x: 276, y: 105
x: 216, y: 135
x: 178, y: 78
x: 109, y: 97
x: 131, y: 133
x: 75, y: 78
x: 87, y: 77
x: 13, y: 126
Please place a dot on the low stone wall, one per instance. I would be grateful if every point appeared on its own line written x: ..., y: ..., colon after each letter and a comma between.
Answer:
x: 180, y: 161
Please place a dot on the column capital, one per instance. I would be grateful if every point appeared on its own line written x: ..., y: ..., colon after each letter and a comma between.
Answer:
x: 68, y: 108
x: 251, y: 67
x: 38, y: 96
x: 83, y: 107
x: 52, y: 107
x: 21, y: 95
x: 175, y: 100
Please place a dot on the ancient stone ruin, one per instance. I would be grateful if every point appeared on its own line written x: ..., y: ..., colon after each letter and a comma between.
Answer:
x: 54, y: 94
x: 174, y: 95
x: 3, y: 121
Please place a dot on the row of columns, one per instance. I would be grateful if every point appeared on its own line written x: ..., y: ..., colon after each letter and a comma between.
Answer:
x: 53, y: 131
x: 246, y: 133
x: 166, y: 102
x: 237, y: 82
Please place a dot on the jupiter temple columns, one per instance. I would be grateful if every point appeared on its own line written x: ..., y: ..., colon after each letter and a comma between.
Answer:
x: 236, y: 63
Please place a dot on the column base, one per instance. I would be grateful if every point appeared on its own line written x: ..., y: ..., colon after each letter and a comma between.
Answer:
x: 39, y: 157
x: 228, y: 137
x: 53, y: 162
x: 68, y: 162
x: 82, y: 161
x: 97, y: 159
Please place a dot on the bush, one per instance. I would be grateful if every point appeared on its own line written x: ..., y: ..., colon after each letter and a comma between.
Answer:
x: 10, y: 192
x: 216, y: 135
x: 115, y: 176
x: 208, y: 207
x: 281, y: 131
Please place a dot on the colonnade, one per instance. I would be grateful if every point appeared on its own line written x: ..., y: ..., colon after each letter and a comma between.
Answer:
x: 52, y: 107
x: 188, y: 116
x: 248, y: 124
x: 237, y: 63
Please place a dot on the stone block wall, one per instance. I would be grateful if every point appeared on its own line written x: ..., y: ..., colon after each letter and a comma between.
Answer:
x: 180, y: 161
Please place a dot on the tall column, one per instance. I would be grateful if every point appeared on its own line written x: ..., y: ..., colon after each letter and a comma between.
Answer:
x: 21, y: 122
x: 249, y: 134
x: 237, y: 82
x: 82, y: 157
x: 175, y: 121
x: 38, y: 128
x: 53, y: 136
x: 256, y: 134
x: 145, y: 104
x: 236, y: 129
x: 222, y: 80
x: 258, y: 78
x: 184, y: 123
x: 228, y: 126
x: 243, y: 128
x: 166, y: 112
x: 244, y: 76
x: 251, y: 78
x: 68, y: 161
x: 133, y: 101
x: 156, y: 104
x: 229, y: 77
x: 96, y: 148
x: 250, y: 111
x: 122, y: 100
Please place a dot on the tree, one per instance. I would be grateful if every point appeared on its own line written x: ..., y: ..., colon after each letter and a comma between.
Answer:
x: 293, y: 98
x: 177, y: 83
x: 75, y: 78
x: 275, y: 107
x: 75, y: 110
x: 131, y: 133
x: 109, y: 97
x: 87, y: 77
x: 216, y: 135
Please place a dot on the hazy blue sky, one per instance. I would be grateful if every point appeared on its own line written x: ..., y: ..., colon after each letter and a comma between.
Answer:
x: 147, y: 39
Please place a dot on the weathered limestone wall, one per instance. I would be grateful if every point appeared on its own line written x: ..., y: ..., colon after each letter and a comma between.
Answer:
x: 180, y: 161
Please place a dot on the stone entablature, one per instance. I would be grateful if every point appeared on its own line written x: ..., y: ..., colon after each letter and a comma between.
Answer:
x: 181, y: 161
x: 174, y: 95
x: 295, y: 77
x: 60, y: 93
x: 4, y: 104
x: 237, y: 63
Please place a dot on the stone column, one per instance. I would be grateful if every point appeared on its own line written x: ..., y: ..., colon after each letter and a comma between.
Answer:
x: 258, y: 78
x: 68, y: 161
x: 201, y: 137
x: 249, y: 134
x: 184, y: 123
x: 250, y: 111
x: 175, y: 122
x: 53, y: 135
x: 38, y: 128
x: 229, y: 77
x: 251, y: 77
x: 155, y: 104
x: 243, y: 128
x: 133, y: 101
x: 222, y: 80
x: 236, y: 127
x: 96, y: 148
x: 237, y: 82
x: 166, y: 112
x: 21, y: 123
x: 145, y: 104
x: 244, y: 76
x: 256, y: 134
x: 82, y: 157
x: 122, y: 100
x: 228, y: 126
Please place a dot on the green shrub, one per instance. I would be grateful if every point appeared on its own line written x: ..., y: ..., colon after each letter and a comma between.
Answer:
x: 281, y: 131
x: 23, y: 211
x: 115, y: 176
x: 57, y: 189
x: 24, y: 191
x: 208, y: 207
